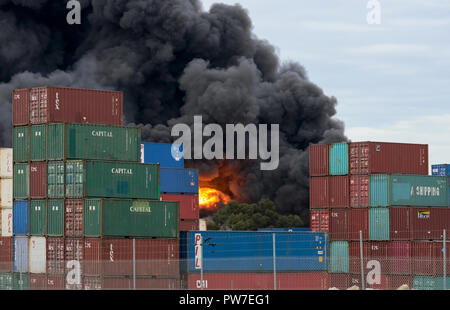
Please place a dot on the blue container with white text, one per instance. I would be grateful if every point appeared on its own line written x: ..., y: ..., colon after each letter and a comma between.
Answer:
x: 442, y: 170
x: 178, y: 181
x: 165, y: 154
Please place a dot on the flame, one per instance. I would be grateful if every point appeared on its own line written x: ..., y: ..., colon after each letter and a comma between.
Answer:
x: 212, y: 199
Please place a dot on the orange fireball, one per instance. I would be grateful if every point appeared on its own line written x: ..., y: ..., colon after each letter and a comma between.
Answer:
x: 210, y: 198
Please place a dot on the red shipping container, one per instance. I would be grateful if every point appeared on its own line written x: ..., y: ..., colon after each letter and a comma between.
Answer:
x: 339, y: 191
x: 389, y: 158
x: 55, y: 255
x: 92, y: 264
x: 379, y: 251
x: 319, y: 192
x: 358, y: 221
x: 319, y: 159
x: 142, y: 283
x: 372, y: 281
x: 400, y: 258
x: 92, y: 283
x: 38, y: 179
x: 6, y: 258
x: 302, y: 281
x: 55, y: 282
x: 359, y: 191
x: 117, y: 257
x: 74, y: 256
x: 426, y: 223
x: 423, y: 258
x: 188, y: 225
x: 157, y: 257
x: 400, y: 223
x: 438, y: 249
x: 319, y: 220
x: 354, y: 251
x: 73, y: 217
x: 189, y: 205
x: 396, y: 281
x: 67, y: 105
x: 37, y: 281
x: 339, y: 219
x: 440, y: 220
x: 231, y: 281
x: 341, y: 281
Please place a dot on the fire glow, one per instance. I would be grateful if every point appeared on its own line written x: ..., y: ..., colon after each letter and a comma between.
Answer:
x: 212, y: 199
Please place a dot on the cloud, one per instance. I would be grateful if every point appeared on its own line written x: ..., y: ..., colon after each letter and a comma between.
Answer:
x: 389, y: 48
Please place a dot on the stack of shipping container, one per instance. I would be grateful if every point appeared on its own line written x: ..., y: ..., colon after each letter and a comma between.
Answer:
x: 6, y: 223
x: 81, y: 196
x: 382, y: 190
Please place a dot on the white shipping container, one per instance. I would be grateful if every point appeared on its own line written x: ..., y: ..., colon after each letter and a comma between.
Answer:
x: 6, y: 193
x: 6, y: 222
x: 37, y: 255
x: 6, y: 163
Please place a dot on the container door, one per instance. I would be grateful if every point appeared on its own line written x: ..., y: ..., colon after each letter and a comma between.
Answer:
x: 20, y: 143
x: 38, y: 142
x: 38, y: 217
x: 92, y: 217
x: 56, y: 143
x: 55, y: 217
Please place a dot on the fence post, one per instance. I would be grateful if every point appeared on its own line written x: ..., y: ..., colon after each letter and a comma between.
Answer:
x: 201, y: 263
x: 362, y: 261
x: 445, y: 261
x: 274, y: 265
x: 134, y: 264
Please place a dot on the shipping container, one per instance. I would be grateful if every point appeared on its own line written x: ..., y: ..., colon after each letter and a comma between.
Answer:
x: 116, y: 257
x: 6, y: 254
x: 379, y: 190
x: 338, y: 159
x: 339, y: 224
x: 319, y: 220
x: 6, y: 281
x: 55, y: 255
x: 355, y: 256
x: 423, y: 258
x: 428, y: 223
x: 112, y: 179
x: 37, y: 255
x: 92, y: 283
x: 6, y: 163
x: 21, y: 188
x: 56, y: 282
x: 380, y: 282
x: 339, y: 191
x: 388, y: 158
x: 74, y: 257
x: 399, y: 220
x: 20, y: 218
x: 38, y: 142
x: 339, y: 257
x: 55, y: 217
x: 92, y: 264
x: 379, y: 251
x: 40, y: 105
x: 379, y: 224
x: 358, y: 221
x: 189, y: 205
x: 131, y: 218
x: 6, y: 222
x: 55, y: 179
x: 157, y: 257
x: 165, y: 154
x: 20, y: 254
x: 38, y: 179
x: 37, y: 281
x: 142, y: 283
x: 38, y: 217
x: 235, y: 251
x: 6, y: 192
x: 319, y: 196
x: 21, y: 146
x: 189, y: 225
x: 73, y: 217
x: 179, y: 181
x: 424, y: 283
x: 396, y: 281
x: 359, y: 191
x: 400, y: 258
x: 87, y: 141
x: 318, y: 160
x: 438, y: 254
x: 442, y: 170
x: 340, y: 281
x: 20, y: 281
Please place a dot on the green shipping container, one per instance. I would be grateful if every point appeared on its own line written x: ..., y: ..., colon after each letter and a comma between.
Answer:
x: 38, y: 217
x: 20, y: 143
x: 424, y: 283
x: 338, y: 159
x: 55, y: 217
x: 379, y: 226
x: 440, y: 283
x: 111, y: 179
x: 55, y: 179
x: 6, y: 281
x: 131, y: 218
x: 38, y: 142
x: 339, y: 257
x: 87, y: 141
x: 21, y: 183
x: 20, y: 281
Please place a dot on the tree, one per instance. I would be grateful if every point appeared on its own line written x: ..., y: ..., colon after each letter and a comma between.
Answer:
x: 244, y: 216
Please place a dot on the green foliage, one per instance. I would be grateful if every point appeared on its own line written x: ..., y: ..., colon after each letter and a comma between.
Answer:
x: 244, y: 216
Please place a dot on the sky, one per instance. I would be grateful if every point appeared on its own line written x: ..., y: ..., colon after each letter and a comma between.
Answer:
x: 391, y: 80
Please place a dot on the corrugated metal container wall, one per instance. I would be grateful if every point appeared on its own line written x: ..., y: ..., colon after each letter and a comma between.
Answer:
x: 74, y: 250
x: 339, y: 191
x: 55, y: 179
x: 318, y: 159
x: 379, y: 224
x: 55, y: 255
x: 6, y: 189
x: 381, y: 283
x: 424, y: 283
x: 73, y: 217
x: 355, y: 256
x: 188, y: 225
x: 112, y: 180
x: 340, y: 280
x: 319, y: 192
x: 21, y: 188
x: 38, y: 179
x: 177, y: 181
x: 142, y: 283
x: 6, y: 162
x: 72, y: 105
x: 37, y: 258
x: 117, y: 257
x: 379, y: 190
x: 38, y: 142
x: 6, y: 222
x: 86, y: 141
x: 396, y: 281
x: 20, y: 218
x: 339, y: 257
x: 422, y: 257
x: 379, y: 250
x: 359, y: 191
x: 399, y: 258
x: 339, y: 219
x: 20, y: 281
x: 157, y: 257
x: 92, y: 265
x: 438, y: 249
x: 442, y: 170
x: 319, y: 220
x: 6, y: 281
x: 20, y: 143
x: 358, y: 221
x: 424, y: 223
x: 55, y: 282
x: 92, y: 283
x: 21, y: 106
x: 38, y: 217
x: 20, y: 254
x: 389, y: 158
x: 189, y: 204
x: 6, y: 254
x: 339, y: 159
x: 165, y: 154
x: 38, y: 282
x: 55, y: 217
x: 399, y: 218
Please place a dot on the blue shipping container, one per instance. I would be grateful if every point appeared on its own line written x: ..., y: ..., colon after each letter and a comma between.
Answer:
x: 165, y: 154
x: 234, y: 251
x: 20, y: 254
x: 442, y: 170
x: 178, y: 181
x: 295, y: 229
x: 20, y: 218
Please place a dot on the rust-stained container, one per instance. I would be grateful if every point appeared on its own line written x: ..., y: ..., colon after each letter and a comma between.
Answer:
x: 142, y: 283
x: 354, y: 250
x: 379, y: 250
x: 319, y: 220
x: 358, y: 221
x: 157, y: 257
x: 374, y: 283
x: 38, y: 179
x: 389, y: 158
x: 339, y: 224
x: 319, y: 192
x: 428, y: 223
x: 37, y: 282
x: 73, y: 217
x: 92, y: 283
x: 117, y: 256
x: 359, y: 191
x: 339, y: 191
x: 6, y: 257
x: 92, y: 265
x: 423, y: 258
x: 341, y: 281
x: 188, y: 225
x: 55, y: 282
x: 55, y: 255
x: 41, y: 105
x: 438, y: 253
x: 318, y: 159
x: 400, y: 258
x: 189, y: 205
x: 74, y: 258
x: 400, y: 223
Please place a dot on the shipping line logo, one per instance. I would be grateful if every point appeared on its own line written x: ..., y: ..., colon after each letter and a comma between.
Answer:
x: 122, y: 171
x: 100, y: 133
x: 425, y: 191
x: 423, y: 214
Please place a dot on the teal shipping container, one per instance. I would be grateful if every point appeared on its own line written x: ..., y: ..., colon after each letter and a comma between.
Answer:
x: 379, y: 190
x: 339, y: 257
x: 424, y: 283
x: 379, y: 226
x: 338, y: 159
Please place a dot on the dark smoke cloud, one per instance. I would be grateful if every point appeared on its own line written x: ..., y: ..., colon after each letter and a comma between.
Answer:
x: 173, y: 60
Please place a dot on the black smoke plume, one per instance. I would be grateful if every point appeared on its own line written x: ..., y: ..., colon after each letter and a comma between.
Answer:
x: 174, y: 60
